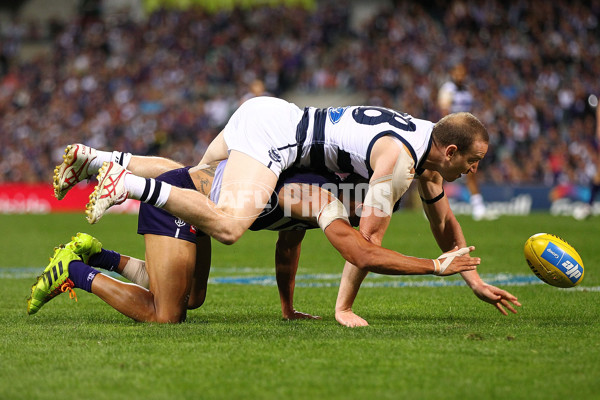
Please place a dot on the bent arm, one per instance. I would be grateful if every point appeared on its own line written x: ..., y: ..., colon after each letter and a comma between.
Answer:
x: 373, y: 225
x: 444, y: 226
x: 373, y: 258
x: 448, y: 233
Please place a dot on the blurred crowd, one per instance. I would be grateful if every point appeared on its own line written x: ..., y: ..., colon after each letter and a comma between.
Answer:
x: 168, y: 85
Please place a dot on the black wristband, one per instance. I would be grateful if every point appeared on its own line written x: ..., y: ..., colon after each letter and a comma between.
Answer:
x: 435, y: 199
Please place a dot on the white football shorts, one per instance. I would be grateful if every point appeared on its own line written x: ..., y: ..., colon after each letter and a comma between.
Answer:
x: 265, y: 129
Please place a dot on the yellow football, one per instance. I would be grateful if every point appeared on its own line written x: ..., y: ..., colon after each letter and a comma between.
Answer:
x: 553, y: 260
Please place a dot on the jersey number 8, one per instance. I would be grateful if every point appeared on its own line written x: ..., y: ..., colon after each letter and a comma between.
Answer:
x: 380, y: 115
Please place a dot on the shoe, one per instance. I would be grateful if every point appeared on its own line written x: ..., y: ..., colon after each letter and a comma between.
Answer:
x: 582, y: 212
x: 53, y: 281
x: 74, y: 168
x: 84, y: 246
x: 109, y: 191
x: 483, y: 214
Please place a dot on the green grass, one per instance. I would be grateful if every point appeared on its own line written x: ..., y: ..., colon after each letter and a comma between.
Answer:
x: 423, y: 342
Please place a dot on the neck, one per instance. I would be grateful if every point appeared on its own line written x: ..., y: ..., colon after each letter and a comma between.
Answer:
x: 434, y: 158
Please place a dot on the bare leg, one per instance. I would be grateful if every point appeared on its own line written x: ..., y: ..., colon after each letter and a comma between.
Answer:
x: 200, y: 277
x: 246, y: 187
x: 472, y: 184
x: 129, y: 299
x: 170, y: 264
x: 217, y: 150
x: 151, y: 167
x: 477, y: 204
x: 352, y: 277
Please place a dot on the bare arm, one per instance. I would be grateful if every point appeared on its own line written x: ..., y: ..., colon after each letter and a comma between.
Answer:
x: 287, y: 255
x: 448, y: 234
x: 373, y: 225
x: 367, y: 256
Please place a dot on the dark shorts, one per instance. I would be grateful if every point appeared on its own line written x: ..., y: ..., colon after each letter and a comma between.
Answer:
x: 157, y: 221
x: 273, y: 215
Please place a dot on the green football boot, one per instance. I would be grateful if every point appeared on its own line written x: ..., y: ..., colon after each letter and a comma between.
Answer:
x: 84, y: 246
x: 53, y: 281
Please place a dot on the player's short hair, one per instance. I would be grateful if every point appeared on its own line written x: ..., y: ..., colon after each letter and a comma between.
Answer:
x: 460, y: 129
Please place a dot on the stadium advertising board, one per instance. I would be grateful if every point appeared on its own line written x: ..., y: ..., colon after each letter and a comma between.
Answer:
x: 522, y: 199
x: 22, y: 198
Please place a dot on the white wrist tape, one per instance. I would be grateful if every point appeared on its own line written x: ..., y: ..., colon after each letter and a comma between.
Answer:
x: 439, y: 268
x: 385, y: 191
x: 330, y: 212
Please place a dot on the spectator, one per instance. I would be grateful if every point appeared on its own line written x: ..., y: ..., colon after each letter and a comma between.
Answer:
x: 147, y: 87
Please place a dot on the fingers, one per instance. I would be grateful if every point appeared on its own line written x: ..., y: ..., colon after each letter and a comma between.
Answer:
x: 460, y: 264
x: 506, y: 301
x: 508, y: 296
x: 449, y: 258
x: 466, y: 260
x: 499, y: 307
x: 506, y: 304
x: 501, y: 299
x: 509, y: 301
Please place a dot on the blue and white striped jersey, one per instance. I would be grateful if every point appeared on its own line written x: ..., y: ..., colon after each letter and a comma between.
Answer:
x: 341, y: 138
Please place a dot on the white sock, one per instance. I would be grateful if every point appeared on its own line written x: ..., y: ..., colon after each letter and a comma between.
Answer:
x: 477, y: 200
x: 101, y: 157
x: 109, y: 156
x: 121, y: 158
x: 149, y: 191
x: 477, y: 206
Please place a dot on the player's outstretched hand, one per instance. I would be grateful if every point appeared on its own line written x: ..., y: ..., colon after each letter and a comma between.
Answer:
x: 349, y: 319
x: 501, y: 299
x: 299, y: 315
x: 456, y: 260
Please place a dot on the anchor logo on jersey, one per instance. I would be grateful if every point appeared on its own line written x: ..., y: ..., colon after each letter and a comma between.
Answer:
x: 179, y: 222
x: 335, y: 114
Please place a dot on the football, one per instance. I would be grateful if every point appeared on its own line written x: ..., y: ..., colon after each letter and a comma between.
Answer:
x: 553, y: 260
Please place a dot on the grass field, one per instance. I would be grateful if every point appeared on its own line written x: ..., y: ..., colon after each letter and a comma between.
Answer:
x: 426, y: 341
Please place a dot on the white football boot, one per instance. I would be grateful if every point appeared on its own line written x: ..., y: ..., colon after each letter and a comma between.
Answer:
x: 109, y: 191
x: 74, y: 168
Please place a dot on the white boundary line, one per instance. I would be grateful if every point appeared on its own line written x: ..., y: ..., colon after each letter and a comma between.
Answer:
x: 332, y: 280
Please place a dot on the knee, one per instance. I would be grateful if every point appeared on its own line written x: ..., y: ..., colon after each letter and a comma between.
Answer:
x: 170, y: 317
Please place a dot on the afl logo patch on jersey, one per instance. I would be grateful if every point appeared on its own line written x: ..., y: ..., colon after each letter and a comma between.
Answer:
x: 274, y: 155
x: 335, y: 114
